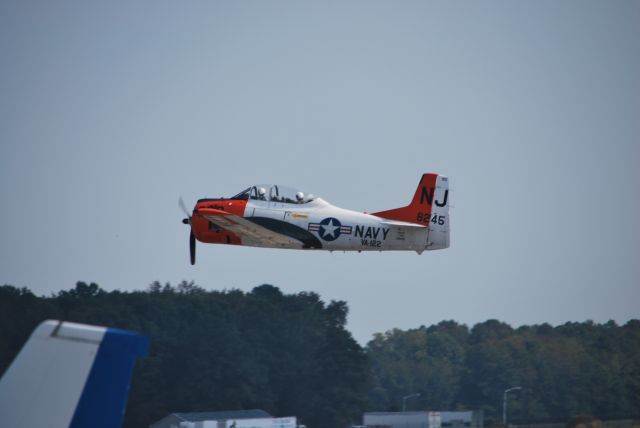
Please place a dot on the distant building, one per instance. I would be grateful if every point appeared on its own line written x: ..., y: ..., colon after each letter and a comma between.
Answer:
x: 255, y: 418
x: 467, y: 419
x: 402, y: 420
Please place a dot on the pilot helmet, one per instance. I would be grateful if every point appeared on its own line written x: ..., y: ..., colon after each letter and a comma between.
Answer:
x: 299, y: 196
x: 261, y: 191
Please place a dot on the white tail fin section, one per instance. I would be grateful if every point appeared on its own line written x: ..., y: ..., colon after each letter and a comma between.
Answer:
x: 438, y: 237
x: 70, y: 375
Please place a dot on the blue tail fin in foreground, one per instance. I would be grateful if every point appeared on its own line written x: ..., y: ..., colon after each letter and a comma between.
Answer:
x: 70, y: 375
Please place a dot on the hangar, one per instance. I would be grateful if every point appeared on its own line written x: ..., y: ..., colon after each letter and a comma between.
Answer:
x: 424, y: 419
x: 254, y: 418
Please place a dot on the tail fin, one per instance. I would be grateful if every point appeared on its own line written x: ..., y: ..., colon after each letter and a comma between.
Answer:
x: 70, y: 375
x: 429, y: 207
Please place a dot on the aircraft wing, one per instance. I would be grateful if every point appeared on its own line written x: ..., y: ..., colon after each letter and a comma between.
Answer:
x: 248, y: 231
x: 70, y: 375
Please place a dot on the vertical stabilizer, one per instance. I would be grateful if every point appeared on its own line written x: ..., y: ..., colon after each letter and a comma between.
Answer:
x: 429, y: 207
x: 70, y: 375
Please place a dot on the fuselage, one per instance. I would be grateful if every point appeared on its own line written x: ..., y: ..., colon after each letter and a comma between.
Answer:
x: 316, y: 225
x: 339, y: 229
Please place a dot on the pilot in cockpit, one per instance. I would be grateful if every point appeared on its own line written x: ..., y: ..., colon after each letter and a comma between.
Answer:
x: 300, y: 197
x: 262, y: 192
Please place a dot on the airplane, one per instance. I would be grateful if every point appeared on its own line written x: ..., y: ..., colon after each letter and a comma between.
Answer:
x: 70, y: 375
x: 274, y: 216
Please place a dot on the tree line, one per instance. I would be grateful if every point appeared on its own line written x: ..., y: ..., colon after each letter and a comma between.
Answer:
x: 291, y: 355
x: 573, y: 369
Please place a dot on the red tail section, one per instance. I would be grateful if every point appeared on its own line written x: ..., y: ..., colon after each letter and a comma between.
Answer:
x: 419, y: 210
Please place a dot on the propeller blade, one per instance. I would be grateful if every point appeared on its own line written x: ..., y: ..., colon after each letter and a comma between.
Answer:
x: 192, y: 237
x: 192, y: 248
x: 184, y: 208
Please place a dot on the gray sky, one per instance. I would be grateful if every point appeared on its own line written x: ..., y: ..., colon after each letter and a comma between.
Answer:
x: 111, y: 110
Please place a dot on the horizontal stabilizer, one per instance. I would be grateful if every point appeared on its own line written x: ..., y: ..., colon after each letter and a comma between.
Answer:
x: 398, y: 223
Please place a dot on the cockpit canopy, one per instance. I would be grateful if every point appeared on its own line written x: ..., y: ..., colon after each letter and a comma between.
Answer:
x: 275, y: 193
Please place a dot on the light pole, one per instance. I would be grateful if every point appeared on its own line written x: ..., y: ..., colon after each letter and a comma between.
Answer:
x: 406, y: 397
x: 504, y: 403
